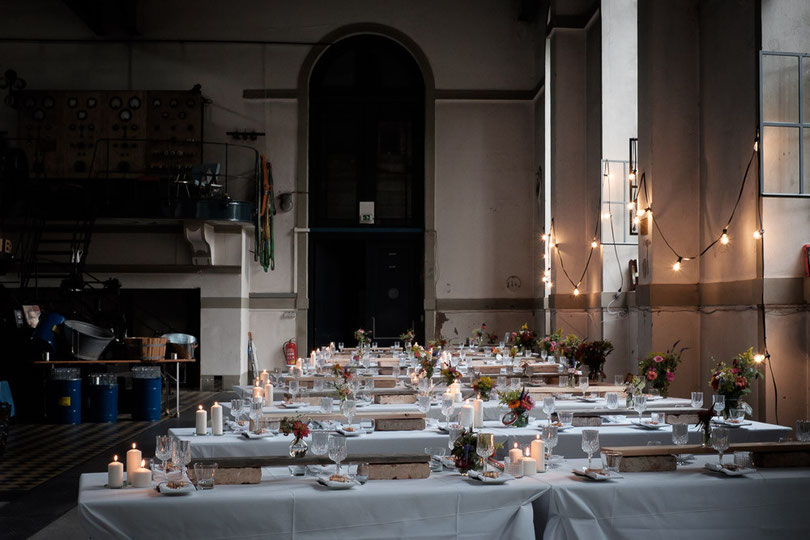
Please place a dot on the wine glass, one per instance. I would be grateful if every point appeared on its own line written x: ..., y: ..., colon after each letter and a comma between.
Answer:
x: 423, y: 403
x: 639, y: 405
x: 163, y: 449
x: 720, y: 441
x: 337, y: 450
x: 543, y: 354
x: 236, y: 409
x: 719, y: 403
x: 697, y: 400
x: 340, y: 346
x: 455, y: 432
x: 590, y: 443
x: 293, y: 387
x: 484, y: 447
x: 320, y: 442
x: 612, y: 400
x: 256, y: 414
x: 549, y: 407
x: 395, y: 371
x: 550, y: 439
x: 349, y: 409
x: 181, y: 454
x: 448, y: 408
x: 583, y: 384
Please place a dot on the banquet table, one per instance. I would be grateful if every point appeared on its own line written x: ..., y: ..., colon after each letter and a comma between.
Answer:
x: 689, y: 502
x: 234, y: 445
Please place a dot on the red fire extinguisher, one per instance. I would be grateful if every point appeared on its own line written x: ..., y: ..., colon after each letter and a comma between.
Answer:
x: 290, y: 352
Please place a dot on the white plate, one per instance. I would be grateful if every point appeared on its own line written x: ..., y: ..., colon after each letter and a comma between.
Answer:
x: 645, y: 424
x: 726, y: 423
x: 263, y: 435
x: 479, y: 478
x: 329, y: 484
x: 187, y: 489
x: 292, y: 405
x: 543, y: 423
x: 684, y: 459
x: 356, y: 432
x: 587, y: 400
x: 598, y: 477
x: 715, y: 467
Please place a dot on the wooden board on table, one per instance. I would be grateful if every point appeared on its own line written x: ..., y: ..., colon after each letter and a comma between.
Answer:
x: 361, y: 414
x: 662, y: 449
x: 309, y: 459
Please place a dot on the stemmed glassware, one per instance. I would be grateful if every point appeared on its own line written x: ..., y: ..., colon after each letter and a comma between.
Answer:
x: 720, y: 441
x: 719, y: 403
x: 448, y: 408
x: 256, y: 414
x: 549, y: 407
x: 484, y: 447
x: 639, y: 405
x: 349, y: 409
x: 455, y: 433
x: 550, y: 438
x: 583, y: 384
x: 543, y: 354
x: 340, y: 346
x: 292, y: 385
x: 337, y: 450
x: 236, y: 409
x: 697, y: 400
x: 163, y: 449
x: 590, y: 443
x: 181, y: 454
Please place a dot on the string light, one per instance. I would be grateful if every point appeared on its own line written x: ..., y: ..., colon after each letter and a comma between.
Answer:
x: 756, y: 144
x: 758, y: 234
x: 636, y: 220
x: 631, y: 205
x: 544, y: 237
x: 677, y: 265
x: 632, y: 176
x: 640, y: 213
x: 724, y: 237
x: 576, y: 291
x: 759, y: 358
x: 606, y: 215
x: 594, y: 244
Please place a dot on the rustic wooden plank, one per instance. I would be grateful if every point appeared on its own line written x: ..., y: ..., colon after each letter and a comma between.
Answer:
x: 361, y: 414
x: 309, y: 459
x: 233, y: 475
x: 755, y: 447
x: 648, y: 463
x: 398, y: 471
x: 399, y: 424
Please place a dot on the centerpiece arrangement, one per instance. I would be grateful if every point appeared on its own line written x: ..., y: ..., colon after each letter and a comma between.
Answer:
x: 343, y: 376
x: 450, y: 374
x: 483, y: 387
x: 407, y: 337
x: 659, y: 368
x: 427, y: 362
x: 479, y: 334
x: 362, y: 337
x: 524, y: 338
x: 568, y: 345
x: 436, y: 344
x: 299, y: 429
x: 465, y: 452
x: 593, y: 354
x: 548, y: 345
x: 633, y: 386
x: 520, y: 403
x: 734, y: 381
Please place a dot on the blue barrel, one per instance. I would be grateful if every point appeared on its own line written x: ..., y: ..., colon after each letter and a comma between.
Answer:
x: 146, y: 398
x: 65, y: 396
x: 102, y: 398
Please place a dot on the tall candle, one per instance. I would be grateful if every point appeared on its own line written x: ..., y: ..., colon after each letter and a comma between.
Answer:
x: 258, y: 391
x: 478, y: 408
x: 115, y: 473
x: 265, y: 376
x: 216, y: 418
x: 268, y: 394
x: 133, y: 461
x: 202, y: 422
x: 538, y: 452
x: 467, y: 415
x: 312, y: 358
x: 515, y: 454
x: 529, y: 464
x: 141, y: 477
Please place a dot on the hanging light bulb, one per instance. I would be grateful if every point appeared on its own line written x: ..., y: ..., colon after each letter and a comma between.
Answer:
x: 547, y: 273
x: 677, y: 265
x: 605, y: 215
x: 756, y: 145
x: 632, y: 176
x: 724, y: 237
x: 641, y: 213
x: 550, y: 284
x: 544, y: 237
x: 594, y: 244
x: 631, y: 205
x: 758, y: 233
x: 545, y: 279
x: 636, y: 220
x: 759, y: 358
x: 576, y: 291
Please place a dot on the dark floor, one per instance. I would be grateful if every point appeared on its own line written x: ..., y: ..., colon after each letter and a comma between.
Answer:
x: 39, y: 472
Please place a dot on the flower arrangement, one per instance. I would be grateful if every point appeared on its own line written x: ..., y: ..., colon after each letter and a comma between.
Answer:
x: 465, y: 454
x: 492, y: 339
x: 523, y: 338
x: 659, y: 368
x: 633, y: 386
x: 408, y: 336
x: 436, y: 344
x: 362, y: 336
x: 548, y: 344
x: 705, y: 423
x: 568, y: 345
x: 450, y: 374
x: 480, y: 333
x: 734, y: 381
x: 593, y: 355
x: 427, y: 362
x: 343, y: 374
x: 483, y: 387
x: 299, y: 429
x: 513, y: 352
x: 520, y: 403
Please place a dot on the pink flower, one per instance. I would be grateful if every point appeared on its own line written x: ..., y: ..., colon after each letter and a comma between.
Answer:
x: 652, y: 374
x: 659, y: 359
x: 670, y: 376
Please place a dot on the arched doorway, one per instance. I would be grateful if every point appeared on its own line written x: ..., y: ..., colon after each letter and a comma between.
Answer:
x: 366, y: 191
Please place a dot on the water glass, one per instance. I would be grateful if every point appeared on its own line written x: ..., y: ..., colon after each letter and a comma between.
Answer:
x: 317, y: 385
x: 359, y: 471
x: 697, y: 400
x: 563, y: 381
x: 292, y: 386
x: 611, y: 461
x: 743, y: 460
x: 514, y: 383
x: 367, y: 425
x: 513, y: 468
x: 550, y: 438
x: 720, y: 440
x: 803, y: 430
x: 205, y: 474
x: 590, y: 443
x: 326, y: 405
x: 566, y: 418
x: 680, y: 434
x: 618, y: 380
x: 320, y: 442
x: 738, y: 415
x: 485, y: 446
x: 436, y: 454
x: 612, y: 400
x: 656, y: 418
x: 423, y: 403
x: 337, y: 450
x: 583, y: 383
x: 455, y: 432
x: 500, y: 383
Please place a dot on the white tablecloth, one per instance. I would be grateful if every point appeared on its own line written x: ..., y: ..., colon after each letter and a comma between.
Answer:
x: 414, y: 442
x: 282, y: 507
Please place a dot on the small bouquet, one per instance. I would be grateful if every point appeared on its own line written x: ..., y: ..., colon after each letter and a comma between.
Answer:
x: 483, y: 387
x: 523, y: 338
x: 734, y: 381
x: 343, y: 374
x: 492, y: 339
x: 520, y: 403
x: 362, y: 336
x: 427, y: 362
x: 659, y: 368
x: 408, y: 336
x: 705, y: 424
x: 513, y: 352
x: 569, y: 345
x: 436, y: 344
x: 593, y: 355
x: 298, y: 427
x: 548, y: 345
x: 465, y: 452
x: 450, y: 374
x: 480, y: 333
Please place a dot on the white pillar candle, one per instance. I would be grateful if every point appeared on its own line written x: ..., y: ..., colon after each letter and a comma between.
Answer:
x: 467, y: 415
x: 291, y: 369
x: 216, y: 419
x: 202, y: 423
x: 268, y: 394
x: 312, y: 358
x: 133, y: 461
x: 478, y: 408
x: 141, y: 477
x: 115, y: 473
x: 258, y: 391
x: 515, y: 454
x: 538, y: 452
x: 529, y: 464
x: 265, y: 376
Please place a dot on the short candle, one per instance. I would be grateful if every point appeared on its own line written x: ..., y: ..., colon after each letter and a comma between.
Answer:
x: 115, y: 473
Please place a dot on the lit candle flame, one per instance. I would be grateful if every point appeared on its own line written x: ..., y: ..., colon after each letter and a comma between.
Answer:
x: 133, y: 445
x: 516, y: 445
x: 143, y: 463
x: 528, y: 453
x: 115, y: 458
x: 200, y: 407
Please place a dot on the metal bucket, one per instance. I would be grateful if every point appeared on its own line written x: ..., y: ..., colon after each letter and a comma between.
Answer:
x: 182, y: 344
x: 87, y: 341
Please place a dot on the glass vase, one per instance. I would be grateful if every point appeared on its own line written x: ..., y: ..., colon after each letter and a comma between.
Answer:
x: 298, y: 448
